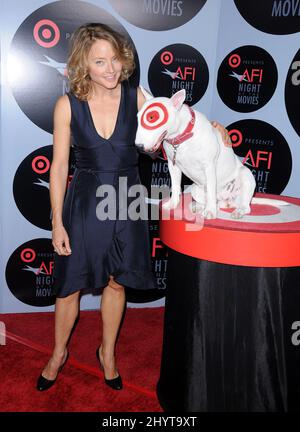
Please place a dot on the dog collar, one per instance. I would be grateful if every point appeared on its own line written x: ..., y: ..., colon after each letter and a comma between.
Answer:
x: 186, y: 134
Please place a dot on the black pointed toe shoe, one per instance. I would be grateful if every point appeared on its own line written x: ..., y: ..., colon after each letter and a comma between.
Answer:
x: 114, y: 383
x: 44, y: 383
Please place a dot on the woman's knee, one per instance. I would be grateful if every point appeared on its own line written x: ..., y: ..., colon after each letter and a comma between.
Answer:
x: 71, y: 298
x: 115, y: 285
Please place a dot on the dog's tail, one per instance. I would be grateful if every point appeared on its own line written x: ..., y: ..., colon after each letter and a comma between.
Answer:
x: 270, y: 201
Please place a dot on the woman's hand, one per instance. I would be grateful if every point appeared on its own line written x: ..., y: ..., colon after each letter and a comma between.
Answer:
x: 60, y: 241
x: 224, y: 132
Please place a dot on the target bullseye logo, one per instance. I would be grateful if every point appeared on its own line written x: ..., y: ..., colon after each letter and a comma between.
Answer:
x: 38, y: 55
x: 179, y: 66
x: 40, y: 164
x: 234, y: 60
x: 29, y: 272
x: 264, y: 150
x: 46, y: 33
x: 28, y: 255
x: 166, y: 58
x: 236, y: 137
x: 31, y: 186
x: 247, y: 78
x: 154, y: 116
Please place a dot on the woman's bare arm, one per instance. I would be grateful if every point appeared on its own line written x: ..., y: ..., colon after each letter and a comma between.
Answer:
x: 60, y: 160
x: 59, y: 172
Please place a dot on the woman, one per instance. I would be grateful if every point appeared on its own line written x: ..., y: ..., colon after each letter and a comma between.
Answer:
x: 100, y: 114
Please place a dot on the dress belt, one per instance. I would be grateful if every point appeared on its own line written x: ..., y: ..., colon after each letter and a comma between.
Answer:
x: 106, y: 171
x: 92, y: 170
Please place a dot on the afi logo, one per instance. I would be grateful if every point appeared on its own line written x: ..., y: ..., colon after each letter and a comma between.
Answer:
x: 182, y: 74
x: 261, y: 156
x: 186, y: 72
x: 253, y: 75
x: 43, y: 269
x: 296, y: 335
x: 296, y: 75
x: 156, y: 244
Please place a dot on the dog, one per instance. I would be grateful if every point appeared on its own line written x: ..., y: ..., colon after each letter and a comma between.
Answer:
x: 194, y: 147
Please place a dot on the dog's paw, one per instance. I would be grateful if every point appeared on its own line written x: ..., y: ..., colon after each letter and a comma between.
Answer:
x: 238, y: 213
x: 196, y: 207
x: 209, y: 213
x: 171, y: 204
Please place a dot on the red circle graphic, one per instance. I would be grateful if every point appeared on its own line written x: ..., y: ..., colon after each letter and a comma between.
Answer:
x: 236, y: 137
x: 28, y: 255
x: 40, y: 164
x: 46, y: 33
x: 166, y: 58
x: 155, y: 115
x: 234, y: 60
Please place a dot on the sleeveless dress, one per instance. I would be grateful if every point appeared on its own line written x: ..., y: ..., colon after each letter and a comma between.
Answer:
x: 117, y: 246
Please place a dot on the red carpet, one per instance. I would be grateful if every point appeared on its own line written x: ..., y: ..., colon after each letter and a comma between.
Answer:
x: 80, y: 386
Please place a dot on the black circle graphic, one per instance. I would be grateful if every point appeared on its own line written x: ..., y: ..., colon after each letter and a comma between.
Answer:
x: 178, y: 66
x: 29, y: 272
x: 31, y: 186
x: 264, y: 150
x: 158, y: 14
x: 247, y: 78
x: 279, y: 17
x: 38, y: 55
x: 292, y: 92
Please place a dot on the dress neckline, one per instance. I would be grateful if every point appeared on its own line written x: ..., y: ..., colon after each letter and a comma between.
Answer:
x: 117, y: 119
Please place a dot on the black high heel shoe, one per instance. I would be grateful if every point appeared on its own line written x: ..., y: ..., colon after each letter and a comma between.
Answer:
x: 114, y: 383
x: 44, y: 383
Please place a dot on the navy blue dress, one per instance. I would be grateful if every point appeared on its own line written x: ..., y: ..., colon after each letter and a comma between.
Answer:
x: 116, y: 246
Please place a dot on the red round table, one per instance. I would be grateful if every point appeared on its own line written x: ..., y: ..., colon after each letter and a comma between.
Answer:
x: 232, y: 310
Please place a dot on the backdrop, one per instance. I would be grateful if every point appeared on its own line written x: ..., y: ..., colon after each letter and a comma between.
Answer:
x: 239, y: 62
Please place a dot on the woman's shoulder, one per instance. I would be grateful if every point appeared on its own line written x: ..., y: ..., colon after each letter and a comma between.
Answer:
x: 63, y: 106
x: 63, y: 101
x: 68, y: 100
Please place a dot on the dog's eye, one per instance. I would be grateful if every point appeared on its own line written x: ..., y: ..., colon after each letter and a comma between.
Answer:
x: 152, y: 116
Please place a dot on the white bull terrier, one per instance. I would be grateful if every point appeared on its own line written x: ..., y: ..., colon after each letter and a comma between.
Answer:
x: 194, y: 147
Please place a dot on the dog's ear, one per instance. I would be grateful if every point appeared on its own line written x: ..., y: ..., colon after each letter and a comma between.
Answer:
x: 178, y: 98
x: 147, y: 95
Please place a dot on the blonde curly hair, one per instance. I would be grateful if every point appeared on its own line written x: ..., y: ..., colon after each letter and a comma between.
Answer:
x: 81, y: 43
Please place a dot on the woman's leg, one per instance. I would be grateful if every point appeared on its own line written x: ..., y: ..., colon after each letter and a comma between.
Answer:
x: 66, y: 311
x: 112, y: 308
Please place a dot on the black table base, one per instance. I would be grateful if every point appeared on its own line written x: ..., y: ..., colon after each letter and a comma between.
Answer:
x: 230, y: 338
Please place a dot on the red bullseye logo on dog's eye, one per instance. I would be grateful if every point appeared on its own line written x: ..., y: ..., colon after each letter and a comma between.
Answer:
x: 154, y: 116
